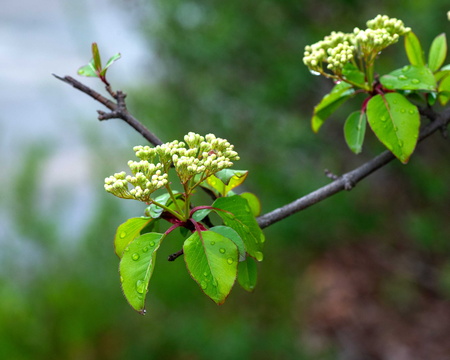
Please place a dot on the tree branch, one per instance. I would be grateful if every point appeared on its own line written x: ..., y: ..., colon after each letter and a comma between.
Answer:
x: 347, y: 181
x: 439, y: 121
x: 118, y: 108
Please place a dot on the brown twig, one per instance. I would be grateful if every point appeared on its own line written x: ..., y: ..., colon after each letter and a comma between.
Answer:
x: 439, y: 121
x: 118, y: 108
x: 347, y: 181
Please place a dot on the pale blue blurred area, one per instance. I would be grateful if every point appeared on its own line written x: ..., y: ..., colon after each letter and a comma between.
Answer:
x: 40, y: 113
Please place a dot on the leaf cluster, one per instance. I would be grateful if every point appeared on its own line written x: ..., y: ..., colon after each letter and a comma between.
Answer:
x: 391, y: 106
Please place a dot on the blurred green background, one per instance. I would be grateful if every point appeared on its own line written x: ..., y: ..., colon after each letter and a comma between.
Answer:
x: 362, y: 275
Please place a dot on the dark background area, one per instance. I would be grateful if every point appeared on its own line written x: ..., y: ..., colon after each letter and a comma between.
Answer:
x: 362, y: 275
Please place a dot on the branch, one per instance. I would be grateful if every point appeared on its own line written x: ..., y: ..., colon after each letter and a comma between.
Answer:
x: 118, y: 108
x: 347, y: 181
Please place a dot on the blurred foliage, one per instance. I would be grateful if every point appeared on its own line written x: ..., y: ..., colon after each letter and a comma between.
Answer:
x: 233, y: 68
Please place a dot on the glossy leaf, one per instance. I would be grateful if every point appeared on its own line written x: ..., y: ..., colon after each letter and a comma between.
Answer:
x: 212, y: 260
x: 330, y: 103
x: 414, y: 49
x: 225, y: 180
x: 201, y: 214
x: 353, y: 74
x: 155, y: 211
x: 248, y: 274
x: 410, y: 78
x: 234, y: 237
x: 127, y: 232
x: 438, y: 52
x: 88, y: 70
x: 395, y: 121
x: 96, y: 57
x: 238, y: 216
x: 111, y: 61
x: 444, y: 90
x: 136, y: 268
x: 253, y: 202
x: 354, y: 131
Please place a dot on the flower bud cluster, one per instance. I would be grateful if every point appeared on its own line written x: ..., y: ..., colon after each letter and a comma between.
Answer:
x: 204, y: 155
x: 339, y: 48
x: 392, y: 26
x: 147, y: 178
x: 196, y: 155
x: 335, y: 49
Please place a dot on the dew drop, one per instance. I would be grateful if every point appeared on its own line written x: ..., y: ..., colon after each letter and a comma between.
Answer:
x: 203, y: 285
x: 402, y: 77
x: 247, y: 209
x: 262, y: 238
x: 213, y: 182
x: 415, y: 81
x: 140, y: 286
x: 400, y: 143
x: 205, y: 274
x: 230, y: 261
x: 402, y: 111
x: 122, y: 234
x: 135, y: 256
x: 145, y: 249
x: 405, y: 68
x: 222, y: 250
x: 212, y: 242
x: 152, y: 243
x: 126, y: 249
x: 412, y: 112
x: 383, y: 118
x: 121, y: 279
x: 214, y: 282
x: 259, y: 255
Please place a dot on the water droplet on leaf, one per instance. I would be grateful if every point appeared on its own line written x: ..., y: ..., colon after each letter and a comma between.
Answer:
x: 152, y: 243
x: 140, y: 286
x: 400, y: 143
x: 262, y: 238
x: 222, y: 250
x: 121, y: 279
x: 259, y: 255
x: 135, y: 256
x: 412, y: 112
x: 383, y: 118
x: 122, y: 234
x: 212, y: 242
x: 145, y: 249
x: 230, y: 261
x: 402, y: 111
x: 415, y: 81
x: 402, y: 77
x: 203, y: 285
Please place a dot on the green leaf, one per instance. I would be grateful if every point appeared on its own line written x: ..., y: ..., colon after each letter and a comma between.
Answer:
x: 199, y: 215
x: 155, y: 211
x: 212, y: 259
x: 96, y: 57
x: 238, y: 216
x: 444, y: 90
x: 354, y: 131
x: 127, y: 232
x: 111, y: 61
x: 234, y: 237
x: 88, y: 70
x: 410, y: 78
x: 253, y: 202
x: 414, y: 50
x: 248, y: 274
x: 330, y: 103
x: 395, y: 121
x: 136, y: 268
x: 225, y: 180
x: 438, y: 52
x: 441, y: 74
x: 353, y: 74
